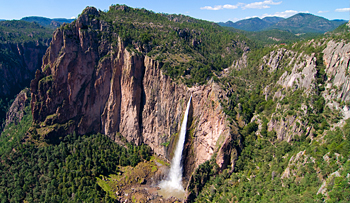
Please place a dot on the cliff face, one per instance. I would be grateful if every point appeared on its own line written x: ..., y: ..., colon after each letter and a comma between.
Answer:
x: 90, y: 85
x: 337, y: 59
x: 18, y: 63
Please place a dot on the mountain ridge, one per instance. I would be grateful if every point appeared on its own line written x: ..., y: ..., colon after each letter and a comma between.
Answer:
x: 252, y: 24
x: 298, y: 23
x: 47, y: 22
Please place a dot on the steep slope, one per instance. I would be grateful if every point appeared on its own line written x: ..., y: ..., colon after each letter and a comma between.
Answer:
x: 294, y: 118
x: 94, y: 80
x: 22, y: 46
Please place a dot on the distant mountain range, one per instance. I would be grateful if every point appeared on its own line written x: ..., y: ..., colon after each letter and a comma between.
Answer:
x: 47, y: 22
x: 299, y: 23
x: 253, y: 24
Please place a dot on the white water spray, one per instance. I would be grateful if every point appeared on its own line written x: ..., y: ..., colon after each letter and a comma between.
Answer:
x: 173, y: 185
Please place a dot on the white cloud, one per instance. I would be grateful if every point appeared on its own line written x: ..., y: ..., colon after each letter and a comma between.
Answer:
x: 261, y: 4
x: 255, y: 5
x: 73, y: 17
x: 322, y: 11
x: 219, y: 7
x: 215, y: 8
x: 228, y: 6
x: 283, y: 14
x: 342, y: 10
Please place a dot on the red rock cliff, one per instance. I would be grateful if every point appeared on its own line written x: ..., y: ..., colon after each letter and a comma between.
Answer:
x: 90, y: 85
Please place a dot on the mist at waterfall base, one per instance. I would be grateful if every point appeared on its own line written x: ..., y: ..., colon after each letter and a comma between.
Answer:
x: 172, y: 186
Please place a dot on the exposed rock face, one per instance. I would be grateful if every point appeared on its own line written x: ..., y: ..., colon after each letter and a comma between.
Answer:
x: 17, y: 67
x: 299, y: 73
x: 16, y: 111
x: 336, y: 59
x: 241, y: 62
x: 302, y: 75
x: 303, y: 68
x: 89, y: 85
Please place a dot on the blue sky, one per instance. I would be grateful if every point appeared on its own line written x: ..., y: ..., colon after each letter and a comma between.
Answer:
x: 217, y: 11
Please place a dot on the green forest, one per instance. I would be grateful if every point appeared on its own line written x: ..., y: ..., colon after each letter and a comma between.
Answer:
x: 190, y: 49
x: 312, y: 165
x: 37, y: 172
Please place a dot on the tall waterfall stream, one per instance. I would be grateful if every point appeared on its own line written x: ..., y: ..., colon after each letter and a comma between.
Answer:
x: 172, y: 186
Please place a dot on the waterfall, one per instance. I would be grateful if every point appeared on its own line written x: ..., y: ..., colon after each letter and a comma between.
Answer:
x: 173, y: 184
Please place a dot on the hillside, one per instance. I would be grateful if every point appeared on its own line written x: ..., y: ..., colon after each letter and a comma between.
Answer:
x: 17, y: 31
x: 267, y: 122
x: 304, y: 23
x: 252, y: 24
x: 270, y: 37
x: 299, y: 23
x: 294, y: 125
x: 47, y: 22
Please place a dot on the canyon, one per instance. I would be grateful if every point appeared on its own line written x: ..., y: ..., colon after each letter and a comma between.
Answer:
x: 113, y: 89
x: 89, y: 86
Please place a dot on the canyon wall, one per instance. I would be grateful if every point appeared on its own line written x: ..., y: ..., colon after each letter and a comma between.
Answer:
x: 18, y: 63
x: 88, y: 85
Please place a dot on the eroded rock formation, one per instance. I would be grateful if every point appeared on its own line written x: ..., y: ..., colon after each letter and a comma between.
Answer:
x: 16, y: 111
x: 89, y: 85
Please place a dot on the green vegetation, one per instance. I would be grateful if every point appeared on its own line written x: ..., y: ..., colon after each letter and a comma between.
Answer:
x: 270, y: 169
x: 17, y: 31
x: 5, y: 104
x: 11, y: 63
x: 300, y: 23
x: 306, y: 23
x: 261, y: 174
x: 37, y: 172
x: 92, y: 168
x: 252, y: 24
x: 47, y: 22
x: 274, y: 36
x: 127, y: 176
x: 190, y: 50
x: 341, y: 33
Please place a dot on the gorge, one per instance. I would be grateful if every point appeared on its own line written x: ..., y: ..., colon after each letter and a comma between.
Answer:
x: 135, y: 106
x: 89, y: 86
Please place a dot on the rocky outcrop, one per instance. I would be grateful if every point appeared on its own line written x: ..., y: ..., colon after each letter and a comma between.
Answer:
x: 302, y: 74
x: 299, y: 68
x: 337, y: 59
x: 299, y: 72
x: 16, y: 111
x: 89, y: 84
